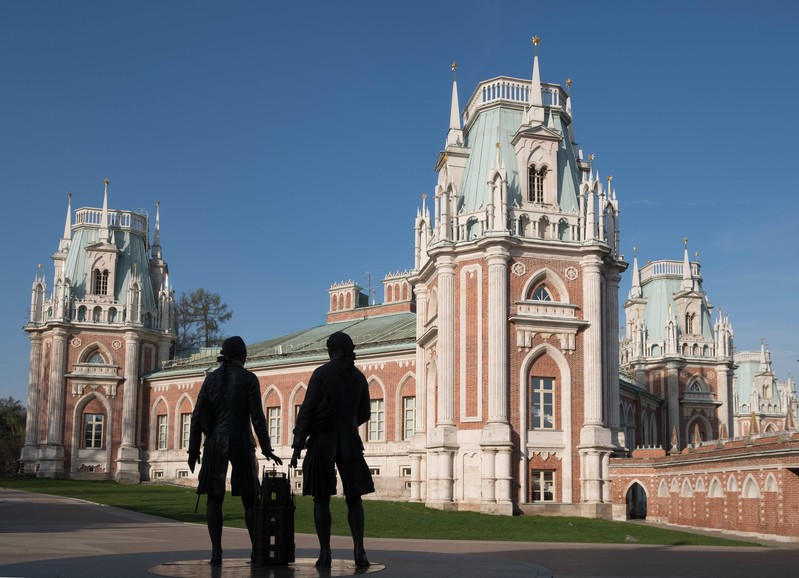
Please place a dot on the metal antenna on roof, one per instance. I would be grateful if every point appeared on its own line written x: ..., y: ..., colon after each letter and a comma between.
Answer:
x: 369, y: 289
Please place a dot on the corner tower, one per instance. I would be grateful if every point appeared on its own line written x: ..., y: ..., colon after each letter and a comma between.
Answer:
x: 673, y: 350
x: 108, y: 319
x: 516, y: 281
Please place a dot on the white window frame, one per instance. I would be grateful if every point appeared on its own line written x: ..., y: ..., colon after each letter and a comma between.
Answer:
x: 376, y: 428
x: 273, y: 420
x: 161, y: 432
x: 538, y: 401
x: 93, y: 424
x: 542, y: 484
x: 408, y: 417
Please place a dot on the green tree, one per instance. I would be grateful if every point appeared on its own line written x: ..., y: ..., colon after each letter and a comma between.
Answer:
x: 200, y: 315
x: 12, y: 432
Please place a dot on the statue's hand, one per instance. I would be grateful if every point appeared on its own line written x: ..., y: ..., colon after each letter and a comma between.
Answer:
x: 270, y: 455
x: 193, y: 461
x: 295, y: 457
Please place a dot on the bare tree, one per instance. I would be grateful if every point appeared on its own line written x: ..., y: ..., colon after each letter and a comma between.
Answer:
x: 200, y: 315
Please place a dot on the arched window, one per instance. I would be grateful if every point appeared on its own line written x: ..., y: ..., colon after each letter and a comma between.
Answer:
x: 93, y: 430
x: 96, y: 357
x: 535, y: 184
x: 100, y: 282
x: 689, y: 323
x: 541, y: 293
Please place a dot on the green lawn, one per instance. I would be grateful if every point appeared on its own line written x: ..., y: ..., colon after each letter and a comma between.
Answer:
x: 383, y: 519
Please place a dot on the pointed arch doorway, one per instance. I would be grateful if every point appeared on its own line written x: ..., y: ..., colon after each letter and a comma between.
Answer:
x: 636, y: 502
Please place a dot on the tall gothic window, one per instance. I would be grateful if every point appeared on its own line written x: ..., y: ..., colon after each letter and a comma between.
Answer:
x: 408, y: 417
x: 273, y: 419
x: 185, y: 430
x: 542, y: 403
x: 162, y: 431
x: 689, y: 323
x: 535, y: 184
x: 377, y: 421
x: 93, y: 430
x: 100, y: 282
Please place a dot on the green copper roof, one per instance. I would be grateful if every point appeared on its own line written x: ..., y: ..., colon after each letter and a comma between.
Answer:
x: 499, y: 125
x: 372, y: 335
x: 132, y: 247
x: 659, y: 293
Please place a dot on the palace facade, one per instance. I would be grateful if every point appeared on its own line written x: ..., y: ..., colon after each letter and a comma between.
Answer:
x: 498, y: 379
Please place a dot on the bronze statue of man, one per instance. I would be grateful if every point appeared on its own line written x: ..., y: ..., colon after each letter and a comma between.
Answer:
x: 336, y: 403
x: 229, y: 400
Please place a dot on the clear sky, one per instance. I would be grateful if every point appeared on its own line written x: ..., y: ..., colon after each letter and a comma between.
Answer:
x: 290, y: 142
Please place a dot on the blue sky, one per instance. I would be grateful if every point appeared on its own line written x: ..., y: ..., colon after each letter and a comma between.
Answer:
x: 290, y: 142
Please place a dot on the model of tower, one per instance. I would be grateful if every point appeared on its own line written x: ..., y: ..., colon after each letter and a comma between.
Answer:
x: 516, y: 280
x: 108, y: 320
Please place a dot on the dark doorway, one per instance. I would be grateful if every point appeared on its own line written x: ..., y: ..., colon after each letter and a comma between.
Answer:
x: 636, y: 502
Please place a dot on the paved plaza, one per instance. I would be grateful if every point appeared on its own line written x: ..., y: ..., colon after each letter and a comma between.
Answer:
x: 45, y: 536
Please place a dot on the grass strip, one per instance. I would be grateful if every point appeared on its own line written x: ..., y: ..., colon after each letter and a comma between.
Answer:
x: 384, y: 519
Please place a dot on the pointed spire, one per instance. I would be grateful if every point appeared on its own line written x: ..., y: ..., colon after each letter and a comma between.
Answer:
x: 63, y: 245
x: 763, y: 359
x: 635, y: 290
x: 68, y: 223
x: 455, y: 134
x: 535, y: 104
x: 687, y: 274
x: 454, y: 112
x: 535, y: 88
x: 156, y: 249
x: 104, y: 233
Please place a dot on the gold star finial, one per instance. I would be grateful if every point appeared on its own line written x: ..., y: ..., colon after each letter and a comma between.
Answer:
x: 424, y: 196
x: 40, y: 266
x: 106, y: 182
x: 685, y: 242
x: 610, y: 178
x: 535, y: 40
x: 69, y: 195
x: 697, y: 254
x: 569, y: 85
x: 635, y: 250
x: 454, y: 66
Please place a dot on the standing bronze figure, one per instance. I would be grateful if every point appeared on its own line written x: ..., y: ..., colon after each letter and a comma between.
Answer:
x: 336, y: 403
x: 229, y: 400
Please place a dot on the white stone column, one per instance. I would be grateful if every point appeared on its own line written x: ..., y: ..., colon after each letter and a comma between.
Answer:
x: 489, y: 496
x: 497, y: 258
x: 446, y: 341
x: 612, y: 347
x: 592, y: 340
x: 51, y: 457
x: 724, y: 395
x: 128, y: 454
x: 57, y: 388
x: 34, y: 364
x: 131, y: 389
x: 673, y: 396
x: 419, y: 441
x: 28, y: 455
x: 504, y: 479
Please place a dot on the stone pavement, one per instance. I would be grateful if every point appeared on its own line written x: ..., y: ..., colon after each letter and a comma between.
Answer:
x: 45, y: 536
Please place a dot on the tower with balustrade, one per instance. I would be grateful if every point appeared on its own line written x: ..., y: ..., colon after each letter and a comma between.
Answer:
x: 107, y: 319
x: 671, y: 349
x: 516, y: 278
